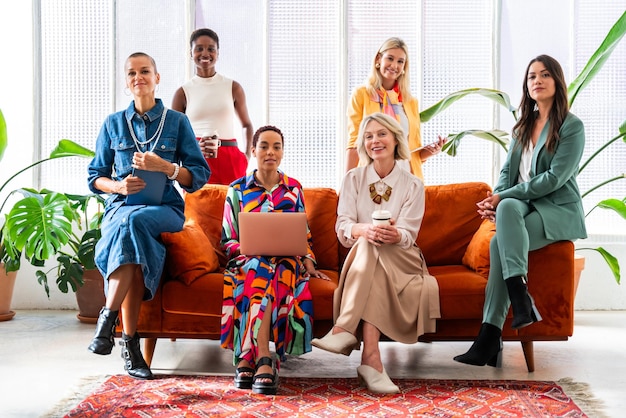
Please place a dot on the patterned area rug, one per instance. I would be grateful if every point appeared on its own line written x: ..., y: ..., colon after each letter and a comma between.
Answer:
x: 215, y: 396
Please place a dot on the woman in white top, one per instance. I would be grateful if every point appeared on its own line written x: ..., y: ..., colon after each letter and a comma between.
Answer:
x: 385, y: 287
x: 210, y: 101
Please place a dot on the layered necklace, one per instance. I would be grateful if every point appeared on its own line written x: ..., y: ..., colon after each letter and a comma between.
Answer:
x: 155, y: 137
x: 380, y: 191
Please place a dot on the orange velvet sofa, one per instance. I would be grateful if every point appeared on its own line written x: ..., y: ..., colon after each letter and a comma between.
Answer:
x: 453, y: 238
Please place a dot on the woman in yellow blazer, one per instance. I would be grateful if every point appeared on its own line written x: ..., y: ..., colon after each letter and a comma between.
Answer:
x: 387, y: 90
x: 536, y: 202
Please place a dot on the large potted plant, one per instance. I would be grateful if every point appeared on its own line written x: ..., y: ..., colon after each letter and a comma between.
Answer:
x: 591, y: 69
x: 7, y: 279
x: 40, y: 225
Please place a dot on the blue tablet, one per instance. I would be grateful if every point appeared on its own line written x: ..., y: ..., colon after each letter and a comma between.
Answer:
x: 152, y: 194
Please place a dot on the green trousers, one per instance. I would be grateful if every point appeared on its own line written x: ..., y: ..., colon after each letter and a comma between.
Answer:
x: 519, y: 229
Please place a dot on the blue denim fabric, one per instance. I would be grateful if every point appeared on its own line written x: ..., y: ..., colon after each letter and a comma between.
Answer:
x: 131, y: 234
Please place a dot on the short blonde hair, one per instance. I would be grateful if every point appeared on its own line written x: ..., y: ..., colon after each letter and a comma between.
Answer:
x: 401, y: 151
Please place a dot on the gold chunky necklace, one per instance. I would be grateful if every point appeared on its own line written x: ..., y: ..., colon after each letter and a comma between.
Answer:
x: 377, y: 194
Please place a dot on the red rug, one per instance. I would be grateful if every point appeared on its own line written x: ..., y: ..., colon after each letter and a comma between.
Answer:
x: 215, y: 396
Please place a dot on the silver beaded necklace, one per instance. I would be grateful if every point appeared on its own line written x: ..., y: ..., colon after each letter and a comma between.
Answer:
x: 157, y: 134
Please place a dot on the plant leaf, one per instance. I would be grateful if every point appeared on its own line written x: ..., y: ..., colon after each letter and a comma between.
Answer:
x: 454, y: 140
x: 597, y: 60
x: 616, y: 205
x: 87, y: 248
x: 40, y: 228
x: 3, y: 135
x: 68, y: 148
x: 610, y: 260
x: 497, y: 96
x: 42, y: 278
x: 70, y: 273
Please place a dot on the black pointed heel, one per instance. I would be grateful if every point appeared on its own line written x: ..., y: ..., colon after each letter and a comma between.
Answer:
x: 134, y: 362
x: 486, y: 349
x: 525, y: 312
x: 103, y: 341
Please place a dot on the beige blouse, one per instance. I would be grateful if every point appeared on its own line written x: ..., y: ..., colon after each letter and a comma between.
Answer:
x: 406, y: 203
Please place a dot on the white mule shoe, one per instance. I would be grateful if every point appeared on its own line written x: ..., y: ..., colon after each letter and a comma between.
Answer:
x: 340, y: 343
x: 374, y: 381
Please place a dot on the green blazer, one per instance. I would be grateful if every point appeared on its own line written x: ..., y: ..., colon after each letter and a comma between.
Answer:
x: 552, y: 188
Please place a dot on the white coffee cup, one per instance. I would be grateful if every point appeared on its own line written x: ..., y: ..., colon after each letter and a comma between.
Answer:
x: 210, y: 145
x: 381, y: 217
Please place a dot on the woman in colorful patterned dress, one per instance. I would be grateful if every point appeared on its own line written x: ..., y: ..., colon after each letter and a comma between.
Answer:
x: 260, y: 285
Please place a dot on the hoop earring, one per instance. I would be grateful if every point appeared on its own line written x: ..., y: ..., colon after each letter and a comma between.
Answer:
x: 126, y: 91
x: 377, y: 65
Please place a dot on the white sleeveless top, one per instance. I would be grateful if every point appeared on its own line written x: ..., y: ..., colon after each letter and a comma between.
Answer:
x: 210, y: 105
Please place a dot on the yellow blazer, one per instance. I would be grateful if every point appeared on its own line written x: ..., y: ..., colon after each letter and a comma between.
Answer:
x: 361, y: 105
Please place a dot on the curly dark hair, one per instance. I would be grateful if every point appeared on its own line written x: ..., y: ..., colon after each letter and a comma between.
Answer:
x: 204, y: 32
x: 262, y: 129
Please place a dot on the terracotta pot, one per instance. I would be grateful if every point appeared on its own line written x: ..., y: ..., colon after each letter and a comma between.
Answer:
x: 7, y: 283
x: 90, y: 297
x: 579, y: 266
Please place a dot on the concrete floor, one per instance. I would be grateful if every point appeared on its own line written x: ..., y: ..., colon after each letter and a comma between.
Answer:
x: 44, y: 355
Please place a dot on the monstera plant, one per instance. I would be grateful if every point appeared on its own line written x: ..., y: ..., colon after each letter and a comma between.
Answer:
x: 42, y: 223
x: 591, y: 69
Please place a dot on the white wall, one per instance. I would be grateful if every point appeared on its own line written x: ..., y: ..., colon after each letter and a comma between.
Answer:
x: 529, y: 28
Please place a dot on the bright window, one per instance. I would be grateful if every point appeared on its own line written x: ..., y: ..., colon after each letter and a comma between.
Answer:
x: 298, y: 63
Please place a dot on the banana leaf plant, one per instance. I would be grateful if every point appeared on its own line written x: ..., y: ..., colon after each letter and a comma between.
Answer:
x: 591, y: 69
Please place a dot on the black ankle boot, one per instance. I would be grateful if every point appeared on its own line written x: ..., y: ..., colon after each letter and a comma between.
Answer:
x: 523, y: 305
x: 487, y: 348
x: 103, y: 341
x: 134, y: 363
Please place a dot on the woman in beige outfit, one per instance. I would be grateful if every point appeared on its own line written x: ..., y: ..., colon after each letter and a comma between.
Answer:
x: 385, y: 287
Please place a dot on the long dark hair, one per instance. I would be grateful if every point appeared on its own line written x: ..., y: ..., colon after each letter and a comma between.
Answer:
x: 560, y: 107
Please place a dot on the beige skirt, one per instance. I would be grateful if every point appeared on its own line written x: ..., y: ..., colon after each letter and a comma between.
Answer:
x: 390, y: 288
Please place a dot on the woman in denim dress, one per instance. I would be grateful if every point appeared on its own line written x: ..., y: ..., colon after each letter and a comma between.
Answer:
x: 130, y: 255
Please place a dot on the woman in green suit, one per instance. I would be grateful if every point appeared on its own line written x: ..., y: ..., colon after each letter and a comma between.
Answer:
x: 536, y: 202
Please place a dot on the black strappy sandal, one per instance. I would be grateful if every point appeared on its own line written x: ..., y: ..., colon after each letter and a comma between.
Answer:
x: 243, y: 377
x: 265, y: 388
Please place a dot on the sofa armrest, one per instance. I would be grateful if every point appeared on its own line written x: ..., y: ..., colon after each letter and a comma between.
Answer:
x: 551, y: 283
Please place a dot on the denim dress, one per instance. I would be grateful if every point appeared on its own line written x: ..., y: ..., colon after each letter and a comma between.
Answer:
x: 131, y: 233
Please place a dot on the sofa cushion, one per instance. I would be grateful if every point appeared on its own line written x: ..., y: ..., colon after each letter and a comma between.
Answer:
x: 477, y: 254
x: 450, y: 221
x: 461, y: 292
x: 189, y: 253
x: 321, y: 212
x: 205, y: 207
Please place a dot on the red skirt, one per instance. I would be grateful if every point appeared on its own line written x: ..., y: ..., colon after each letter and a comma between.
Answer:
x: 229, y: 165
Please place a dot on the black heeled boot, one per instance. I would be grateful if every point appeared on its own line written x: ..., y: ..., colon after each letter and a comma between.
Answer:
x: 103, y: 341
x: 134, y: 362
x: 487, y: 348
x: 524, y: 309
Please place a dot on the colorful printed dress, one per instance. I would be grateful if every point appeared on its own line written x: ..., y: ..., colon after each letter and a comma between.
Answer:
x: 250, y: 282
